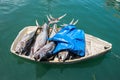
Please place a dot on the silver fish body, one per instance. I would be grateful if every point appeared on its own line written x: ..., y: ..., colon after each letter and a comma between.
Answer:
x: 43, y: 51
x: 48, y: 48
x: 41, y: 38
x: 25, y: 41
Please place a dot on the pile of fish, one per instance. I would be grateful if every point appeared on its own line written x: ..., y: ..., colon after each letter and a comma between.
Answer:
x: 36, y: 44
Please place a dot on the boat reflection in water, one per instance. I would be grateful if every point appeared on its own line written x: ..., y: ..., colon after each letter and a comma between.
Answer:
x: 42, y: 69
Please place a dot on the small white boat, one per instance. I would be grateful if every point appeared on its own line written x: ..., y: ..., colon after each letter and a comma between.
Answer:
x: 94, y: 47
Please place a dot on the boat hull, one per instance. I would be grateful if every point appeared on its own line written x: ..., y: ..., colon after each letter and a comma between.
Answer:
x: 94, y: 47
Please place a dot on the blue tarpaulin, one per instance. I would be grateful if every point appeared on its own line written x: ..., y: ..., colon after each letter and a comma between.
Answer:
x: 70, y: 38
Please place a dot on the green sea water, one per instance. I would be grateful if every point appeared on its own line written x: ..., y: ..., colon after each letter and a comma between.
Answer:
x: 100, y: 18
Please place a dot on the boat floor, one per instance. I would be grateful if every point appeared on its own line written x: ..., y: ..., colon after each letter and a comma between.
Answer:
x: 94, y: 47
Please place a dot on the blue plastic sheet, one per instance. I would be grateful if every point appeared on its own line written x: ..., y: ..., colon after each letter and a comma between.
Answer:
x: 71, y: 39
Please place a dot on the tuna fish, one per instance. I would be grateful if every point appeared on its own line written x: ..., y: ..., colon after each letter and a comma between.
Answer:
x: 25, y: 42
x: 48, y: 48
x: 43, y: 51
x: 41, y: 39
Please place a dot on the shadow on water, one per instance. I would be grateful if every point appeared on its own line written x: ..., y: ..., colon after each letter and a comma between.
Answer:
x: 83, y: 64
x: 43, y: 68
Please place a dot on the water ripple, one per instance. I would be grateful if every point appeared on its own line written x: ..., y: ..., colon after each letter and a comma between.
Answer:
x: 9, y: 6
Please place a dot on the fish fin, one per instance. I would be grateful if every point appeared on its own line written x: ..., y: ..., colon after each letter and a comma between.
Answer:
x: 63, y: 25
x: 48, y: 18
x: 51, y: 16
x: 75, y: 22
x: 37, y: 24
x: 71, y: 21
x: 54, y: 20
x: 62, y: 16
x: 55, y: 28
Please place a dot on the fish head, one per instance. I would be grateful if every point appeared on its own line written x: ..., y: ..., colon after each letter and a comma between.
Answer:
x: 39, y: 55
x: 62, y: 55
x: 37, y: 58
x: 20, y: 47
